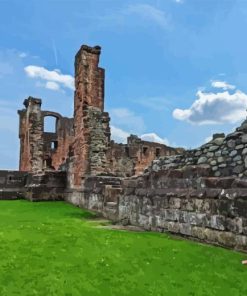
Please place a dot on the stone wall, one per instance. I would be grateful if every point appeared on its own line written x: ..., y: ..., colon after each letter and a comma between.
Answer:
x: 131, y: 159
x: 32, y: 186
x: 88, y: 99
x: 188, y: 202
x: 45, y: 186
x: 31, y: 136
x: 223, y: 155
x: 12, y: 184
x: 56, y: 145
x: 100, y: 194
x: 40, y: 150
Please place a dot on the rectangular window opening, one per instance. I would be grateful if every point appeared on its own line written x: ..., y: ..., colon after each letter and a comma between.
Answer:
x: 54, y: 145
x: 157, y: 152
x: 145, y: 150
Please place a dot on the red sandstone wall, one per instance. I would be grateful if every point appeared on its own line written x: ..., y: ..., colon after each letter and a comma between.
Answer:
x: 89, y: 92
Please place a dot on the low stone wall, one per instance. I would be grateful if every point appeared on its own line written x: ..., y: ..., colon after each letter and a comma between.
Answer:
x: 12, y: 184
x: 99, y: 194
x: 223, y: 155
x: 188, y: 202
x: 46, y: 186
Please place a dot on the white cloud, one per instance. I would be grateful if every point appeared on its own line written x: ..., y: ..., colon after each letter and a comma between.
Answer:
x: 152, y: 137
x: 52, y: 77
x: 148, y: 12
x: 222, y: 84
x: 179, y: 1
x: 52, y: 85
x: 130, y: 123
x: 215, y: 108
x: 127, y: 120
x: 119, y: 135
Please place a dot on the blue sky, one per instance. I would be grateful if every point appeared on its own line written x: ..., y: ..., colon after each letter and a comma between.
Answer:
x: 175, y: 69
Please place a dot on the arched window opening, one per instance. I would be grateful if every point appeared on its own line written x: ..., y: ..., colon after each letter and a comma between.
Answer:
x: 50, y: 124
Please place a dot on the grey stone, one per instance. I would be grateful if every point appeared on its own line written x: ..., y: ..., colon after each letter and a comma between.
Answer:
x: 241, y: 146
x: 231, y: 143
x: 218, y: 141
x: 215, y: 168
x: 198, y: 153
x: 210, y: 154
x: 237, y: 158
x: 213, y: 148
x: 218, y: 222
x: 202, y: 159
x: 222, y: 165
x: 213, y: 162
x: 244, y: 138
x: 233, y: 153
x: 244, y: 151
x: 225, y: 152
x: 217, y: 174
x: 218, y: 153
x: 220, y: 159
x: 238, y: 169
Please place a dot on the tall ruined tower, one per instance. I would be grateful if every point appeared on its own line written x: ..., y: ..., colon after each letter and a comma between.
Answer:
x: 31, y: 136
x: 91, y: 123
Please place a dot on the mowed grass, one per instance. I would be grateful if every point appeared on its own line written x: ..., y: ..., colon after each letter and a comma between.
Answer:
x: 53, y: 248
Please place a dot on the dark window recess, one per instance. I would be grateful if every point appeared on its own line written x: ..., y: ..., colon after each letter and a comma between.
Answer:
x: 127, y: 151
x: 144, y: 150
x: 48, y: 162
x: 54, y: 145
x: 10, y: 178
x: 157, y: 152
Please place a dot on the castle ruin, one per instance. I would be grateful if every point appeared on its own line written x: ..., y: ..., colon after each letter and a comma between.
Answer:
x: 199, y: 193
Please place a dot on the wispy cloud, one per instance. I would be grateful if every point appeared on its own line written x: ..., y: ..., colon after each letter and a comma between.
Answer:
x: 54, y: 78
x: 23, y: 55
x: 148, y: 13
x: 222, y: 84
x: 54, y: 51
x: 140, y: 14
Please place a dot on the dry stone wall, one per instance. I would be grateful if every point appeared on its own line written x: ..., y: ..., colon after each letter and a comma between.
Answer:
x: 223, y: 155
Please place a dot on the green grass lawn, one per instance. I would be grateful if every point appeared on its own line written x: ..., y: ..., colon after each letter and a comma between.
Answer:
x: 53, y: 248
